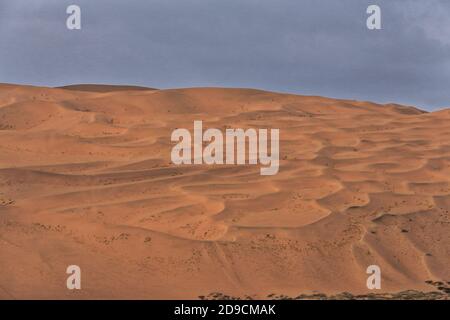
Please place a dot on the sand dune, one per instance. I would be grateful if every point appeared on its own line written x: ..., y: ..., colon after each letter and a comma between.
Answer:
x: 86, y: 179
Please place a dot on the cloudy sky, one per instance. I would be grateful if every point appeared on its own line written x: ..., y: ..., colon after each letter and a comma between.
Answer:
x: 315, y: 47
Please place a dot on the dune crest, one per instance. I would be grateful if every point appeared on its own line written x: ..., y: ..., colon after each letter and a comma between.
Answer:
x: 103, y: 88
x: 86, y: 179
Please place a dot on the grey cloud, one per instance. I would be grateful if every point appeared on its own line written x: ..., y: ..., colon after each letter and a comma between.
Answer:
x: 308, y: 47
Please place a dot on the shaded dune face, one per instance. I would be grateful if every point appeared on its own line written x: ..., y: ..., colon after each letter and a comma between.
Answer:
x: 86, y: 179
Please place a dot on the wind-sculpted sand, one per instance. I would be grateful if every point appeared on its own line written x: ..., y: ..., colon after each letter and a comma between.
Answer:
x: 86, y: 179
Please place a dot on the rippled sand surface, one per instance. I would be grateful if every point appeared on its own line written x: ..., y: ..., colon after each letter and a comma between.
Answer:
x: 86, y: 179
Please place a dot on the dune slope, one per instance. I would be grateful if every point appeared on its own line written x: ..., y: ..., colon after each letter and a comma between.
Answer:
x: 86, y: 179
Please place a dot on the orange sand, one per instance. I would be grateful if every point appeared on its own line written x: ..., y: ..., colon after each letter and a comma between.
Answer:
x: 86, y: 179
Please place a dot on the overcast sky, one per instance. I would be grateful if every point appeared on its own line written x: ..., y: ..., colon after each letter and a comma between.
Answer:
x: 318, y: 47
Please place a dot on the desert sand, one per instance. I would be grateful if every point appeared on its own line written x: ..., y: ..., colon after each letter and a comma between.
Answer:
x: 86, y: 179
